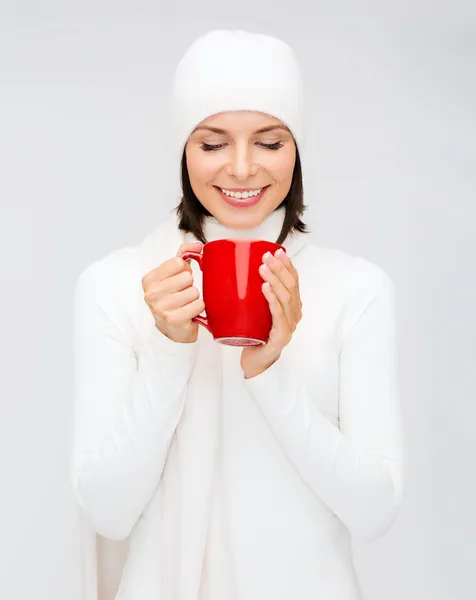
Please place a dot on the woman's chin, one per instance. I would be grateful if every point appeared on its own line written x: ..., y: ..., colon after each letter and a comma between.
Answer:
x: 241, y: 218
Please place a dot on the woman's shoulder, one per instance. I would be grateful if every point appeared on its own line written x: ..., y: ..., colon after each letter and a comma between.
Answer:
x: 344, y: 285
x: 122, y: 269
x: 109, y: 268
x: 111, y: 285
x: 337, y: 264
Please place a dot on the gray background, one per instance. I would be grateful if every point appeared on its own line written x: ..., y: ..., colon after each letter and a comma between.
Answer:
x: 390, y: 175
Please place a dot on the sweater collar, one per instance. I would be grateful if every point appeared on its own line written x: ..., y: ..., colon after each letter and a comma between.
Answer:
x: 269, y: 230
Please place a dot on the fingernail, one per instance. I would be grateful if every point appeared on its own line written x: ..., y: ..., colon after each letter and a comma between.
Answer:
x: 269, y: 258
x: 265, y: 269
x: 281, y: 254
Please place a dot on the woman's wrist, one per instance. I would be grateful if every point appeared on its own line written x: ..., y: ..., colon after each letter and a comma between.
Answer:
x: 254, y: 368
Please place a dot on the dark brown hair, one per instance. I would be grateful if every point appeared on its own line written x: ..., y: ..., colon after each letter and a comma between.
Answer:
x: 192, y: 213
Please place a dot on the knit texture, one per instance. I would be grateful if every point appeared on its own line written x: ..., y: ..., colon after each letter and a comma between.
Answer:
x: 236, y: 70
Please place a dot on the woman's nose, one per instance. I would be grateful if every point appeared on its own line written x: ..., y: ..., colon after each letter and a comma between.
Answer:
x: 241, y: 165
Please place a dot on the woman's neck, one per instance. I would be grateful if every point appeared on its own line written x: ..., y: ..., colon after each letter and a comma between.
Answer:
x: 269, y: 229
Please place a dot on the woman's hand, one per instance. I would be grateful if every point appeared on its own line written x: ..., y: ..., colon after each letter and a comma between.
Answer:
x: 172, y: 298
x: 281, y: 290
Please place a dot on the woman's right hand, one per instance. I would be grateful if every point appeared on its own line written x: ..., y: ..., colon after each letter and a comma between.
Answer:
x: 172, y: 298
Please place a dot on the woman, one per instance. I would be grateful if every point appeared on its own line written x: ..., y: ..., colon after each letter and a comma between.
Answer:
x: 237, y: 473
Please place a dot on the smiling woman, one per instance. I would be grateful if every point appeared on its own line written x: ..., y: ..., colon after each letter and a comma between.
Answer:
x: 239, y: 166
x: 237, y: 472
x: 240, y: 160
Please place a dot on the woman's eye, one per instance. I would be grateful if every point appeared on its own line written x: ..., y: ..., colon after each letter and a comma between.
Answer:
x: 211, y: 147
x: 208, y: 147
x: 274, y: 146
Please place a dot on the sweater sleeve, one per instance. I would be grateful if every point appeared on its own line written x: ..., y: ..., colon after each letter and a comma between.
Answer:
x: 126, y: 408
x: 355, y: 468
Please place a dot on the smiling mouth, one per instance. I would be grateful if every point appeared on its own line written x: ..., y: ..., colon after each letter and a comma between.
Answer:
x: 242, y: 202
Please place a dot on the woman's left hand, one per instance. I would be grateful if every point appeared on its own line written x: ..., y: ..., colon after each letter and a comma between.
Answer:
x: 281, y: 290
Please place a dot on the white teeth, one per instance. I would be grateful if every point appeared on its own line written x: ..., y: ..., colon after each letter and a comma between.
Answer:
x: 241, y: 194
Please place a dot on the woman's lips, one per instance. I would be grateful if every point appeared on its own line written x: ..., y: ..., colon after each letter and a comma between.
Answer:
x: 242, y: 202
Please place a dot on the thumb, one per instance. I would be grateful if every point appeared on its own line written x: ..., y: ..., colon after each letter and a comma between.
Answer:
x: 191, y: 246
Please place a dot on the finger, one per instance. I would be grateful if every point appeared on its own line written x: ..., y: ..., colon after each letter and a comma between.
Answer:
x: 179, y: 299
x: 174, y: 284
x: 284, y: 296
x: 278, y: 267
x: 287, y: 262
x: 167, y: 269
x: 185, y: 313
x: 280, y: 323
x: 189, y: 247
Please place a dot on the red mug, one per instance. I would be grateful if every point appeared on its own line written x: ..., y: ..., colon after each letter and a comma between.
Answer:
x: 237, y: 312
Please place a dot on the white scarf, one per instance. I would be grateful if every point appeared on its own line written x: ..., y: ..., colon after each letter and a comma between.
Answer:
x: 197, y: 561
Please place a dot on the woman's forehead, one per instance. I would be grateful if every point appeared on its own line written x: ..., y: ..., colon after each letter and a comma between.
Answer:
x: 237, y: 120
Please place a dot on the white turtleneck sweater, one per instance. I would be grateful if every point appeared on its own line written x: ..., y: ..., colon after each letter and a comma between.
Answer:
x: 311, y: 452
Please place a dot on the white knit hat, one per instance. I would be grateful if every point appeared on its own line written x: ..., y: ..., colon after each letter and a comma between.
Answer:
x: 236, y: 70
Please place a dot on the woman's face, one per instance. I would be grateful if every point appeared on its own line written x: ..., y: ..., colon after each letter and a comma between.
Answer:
x: 228, y: 151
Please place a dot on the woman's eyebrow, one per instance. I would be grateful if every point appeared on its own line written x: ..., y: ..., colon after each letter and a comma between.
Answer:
x: 223, y: 131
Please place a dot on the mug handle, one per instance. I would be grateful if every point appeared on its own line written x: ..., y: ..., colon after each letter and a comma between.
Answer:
x: 198, y: 257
